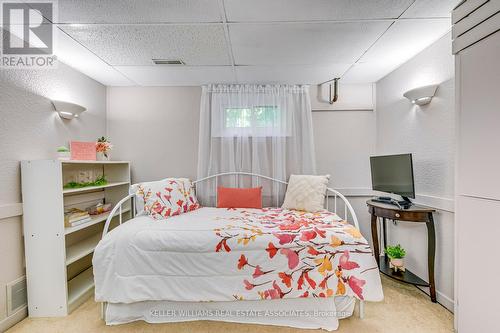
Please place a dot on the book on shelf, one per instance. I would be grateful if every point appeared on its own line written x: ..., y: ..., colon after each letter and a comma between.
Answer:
x: 75, y: 216
x: 74, y: 224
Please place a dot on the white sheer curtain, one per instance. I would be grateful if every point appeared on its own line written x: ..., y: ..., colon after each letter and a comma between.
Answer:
x: 264, y: 129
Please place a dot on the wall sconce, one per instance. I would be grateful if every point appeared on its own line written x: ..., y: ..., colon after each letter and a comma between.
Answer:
x: 68, y: 110
x: 421, y: 95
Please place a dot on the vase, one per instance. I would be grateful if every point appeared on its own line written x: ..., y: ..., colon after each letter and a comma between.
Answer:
x: 397, y: 264
x: 63, y: 155
x: 102, y: 157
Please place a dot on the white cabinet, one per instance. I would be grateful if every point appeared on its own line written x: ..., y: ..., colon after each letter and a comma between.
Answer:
x: 478, y: 229
x: 477, y: 214
x: 58, y: 258
x: 479, y: 119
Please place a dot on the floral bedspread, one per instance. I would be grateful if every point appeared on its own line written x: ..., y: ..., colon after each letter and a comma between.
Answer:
x: 215, y: 254
x: 325, y: 255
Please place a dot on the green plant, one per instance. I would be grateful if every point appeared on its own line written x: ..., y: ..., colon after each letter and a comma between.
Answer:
x: 62, y: 149
x: 101, y: 181
x: 395, y: 252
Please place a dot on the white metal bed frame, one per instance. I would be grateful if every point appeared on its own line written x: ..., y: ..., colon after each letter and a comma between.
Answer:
x: 330, y: 192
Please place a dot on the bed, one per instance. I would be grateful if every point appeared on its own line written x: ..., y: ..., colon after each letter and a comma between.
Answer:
x: 265, y: 266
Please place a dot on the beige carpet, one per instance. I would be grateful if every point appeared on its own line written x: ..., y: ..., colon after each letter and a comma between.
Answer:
x: 405, y: 309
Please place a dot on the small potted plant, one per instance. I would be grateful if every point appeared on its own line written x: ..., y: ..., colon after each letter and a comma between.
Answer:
x: 103, y: 149
x: 63, y: 153
x: 396, y: 255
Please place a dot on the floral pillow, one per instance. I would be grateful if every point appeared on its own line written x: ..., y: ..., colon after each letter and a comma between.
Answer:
x: 168, y: 197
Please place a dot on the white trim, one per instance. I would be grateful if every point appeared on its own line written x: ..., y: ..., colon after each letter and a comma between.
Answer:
x: 356, y: 192
x: 10, y: 321
x: 440, y: 203
x: 11, y: 210
x: 442, y: 299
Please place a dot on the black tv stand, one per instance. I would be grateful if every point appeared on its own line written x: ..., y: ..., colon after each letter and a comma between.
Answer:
x: 402, y: 204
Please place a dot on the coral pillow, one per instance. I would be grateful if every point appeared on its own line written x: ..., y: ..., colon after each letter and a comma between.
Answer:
x: 228, y: 197
x: 167, y: 197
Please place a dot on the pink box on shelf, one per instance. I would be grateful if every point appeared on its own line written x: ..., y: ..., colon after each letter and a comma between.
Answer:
x: 82, y: 151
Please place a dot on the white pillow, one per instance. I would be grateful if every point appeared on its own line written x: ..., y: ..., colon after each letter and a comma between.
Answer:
x: 305, y: 192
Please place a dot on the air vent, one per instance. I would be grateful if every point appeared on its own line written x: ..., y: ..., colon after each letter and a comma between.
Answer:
x: 17, y: 296
x: 168, y: 62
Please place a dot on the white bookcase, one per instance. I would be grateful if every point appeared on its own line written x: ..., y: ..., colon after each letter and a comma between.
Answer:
x: 58, y: 258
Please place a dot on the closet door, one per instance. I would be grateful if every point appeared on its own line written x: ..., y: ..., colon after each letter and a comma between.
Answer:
x: 478, y: 238
x: 479, y: 119
x: 478, y: 187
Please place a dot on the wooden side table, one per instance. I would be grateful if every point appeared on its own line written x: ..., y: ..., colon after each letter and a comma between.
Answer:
x: 414, y: 214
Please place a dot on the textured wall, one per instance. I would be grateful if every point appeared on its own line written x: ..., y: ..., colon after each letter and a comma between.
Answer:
x: 30, y: 129
x: 429, y: 133
x: 156, y: 129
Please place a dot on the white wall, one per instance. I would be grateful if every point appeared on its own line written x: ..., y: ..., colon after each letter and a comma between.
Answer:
x: 344, y: 138
x: 30, y: 129
x: 429, y: 133
x: 156, y: 129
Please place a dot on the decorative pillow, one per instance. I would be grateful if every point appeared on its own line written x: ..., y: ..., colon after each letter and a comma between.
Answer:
x: 306, y: 192
x: 168, y: 197
x: 228, y: 197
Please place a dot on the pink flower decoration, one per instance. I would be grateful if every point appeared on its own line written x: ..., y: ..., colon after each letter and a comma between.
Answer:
x: 292, y: 256
x: 285, y: 238
x: 258, y: 272
x: 248, y: 285
x: 344, y: 262
x: 307, y: 235
x: 357, y: 286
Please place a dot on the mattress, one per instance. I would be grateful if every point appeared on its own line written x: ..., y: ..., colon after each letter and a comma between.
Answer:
x: 213, y: 254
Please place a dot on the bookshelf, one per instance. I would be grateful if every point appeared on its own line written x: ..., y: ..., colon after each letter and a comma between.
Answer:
x: 58, y: 258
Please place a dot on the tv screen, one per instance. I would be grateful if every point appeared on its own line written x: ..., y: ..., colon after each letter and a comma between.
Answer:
x: 393, y: 174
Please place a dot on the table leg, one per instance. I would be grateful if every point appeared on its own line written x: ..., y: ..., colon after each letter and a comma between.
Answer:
x: 376, y: 250
x: 384, y: 228
x: 431, y: 253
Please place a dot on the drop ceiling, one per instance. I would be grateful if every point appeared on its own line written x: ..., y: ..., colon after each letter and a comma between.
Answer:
x: 245, y: 41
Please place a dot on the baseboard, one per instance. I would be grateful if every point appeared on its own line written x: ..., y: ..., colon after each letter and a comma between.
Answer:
x: 10, y: 321
x: 442, y: 299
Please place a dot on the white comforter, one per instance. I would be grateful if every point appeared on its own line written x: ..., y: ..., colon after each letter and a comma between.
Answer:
x: 234, y: 254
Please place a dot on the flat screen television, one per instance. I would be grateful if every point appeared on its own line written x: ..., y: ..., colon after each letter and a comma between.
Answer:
x: 393, y: 174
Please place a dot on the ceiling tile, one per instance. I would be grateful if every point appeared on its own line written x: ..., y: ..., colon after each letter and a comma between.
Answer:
x: 137, y: 44
x: 133, y: 11
x: 178, y: 76
x: 430, y: 8
x: 75, y: 55
x: 367, y: 72
x: 402, y: 41
x: 302, y: 43
x: 406, y: 38
x: 310, y: 10
x: 289, y: 74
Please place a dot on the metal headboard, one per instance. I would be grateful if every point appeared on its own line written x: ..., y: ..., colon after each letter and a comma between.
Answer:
x: 348, y: 210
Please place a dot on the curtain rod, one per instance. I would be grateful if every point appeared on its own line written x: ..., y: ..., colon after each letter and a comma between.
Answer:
x: 332, y: 110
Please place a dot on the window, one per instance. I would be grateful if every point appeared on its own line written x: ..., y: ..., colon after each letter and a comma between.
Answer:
x: 259, y: 116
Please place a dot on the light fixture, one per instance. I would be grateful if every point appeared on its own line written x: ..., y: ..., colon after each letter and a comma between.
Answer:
x: 422, y: 95
x: 68, y: 110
